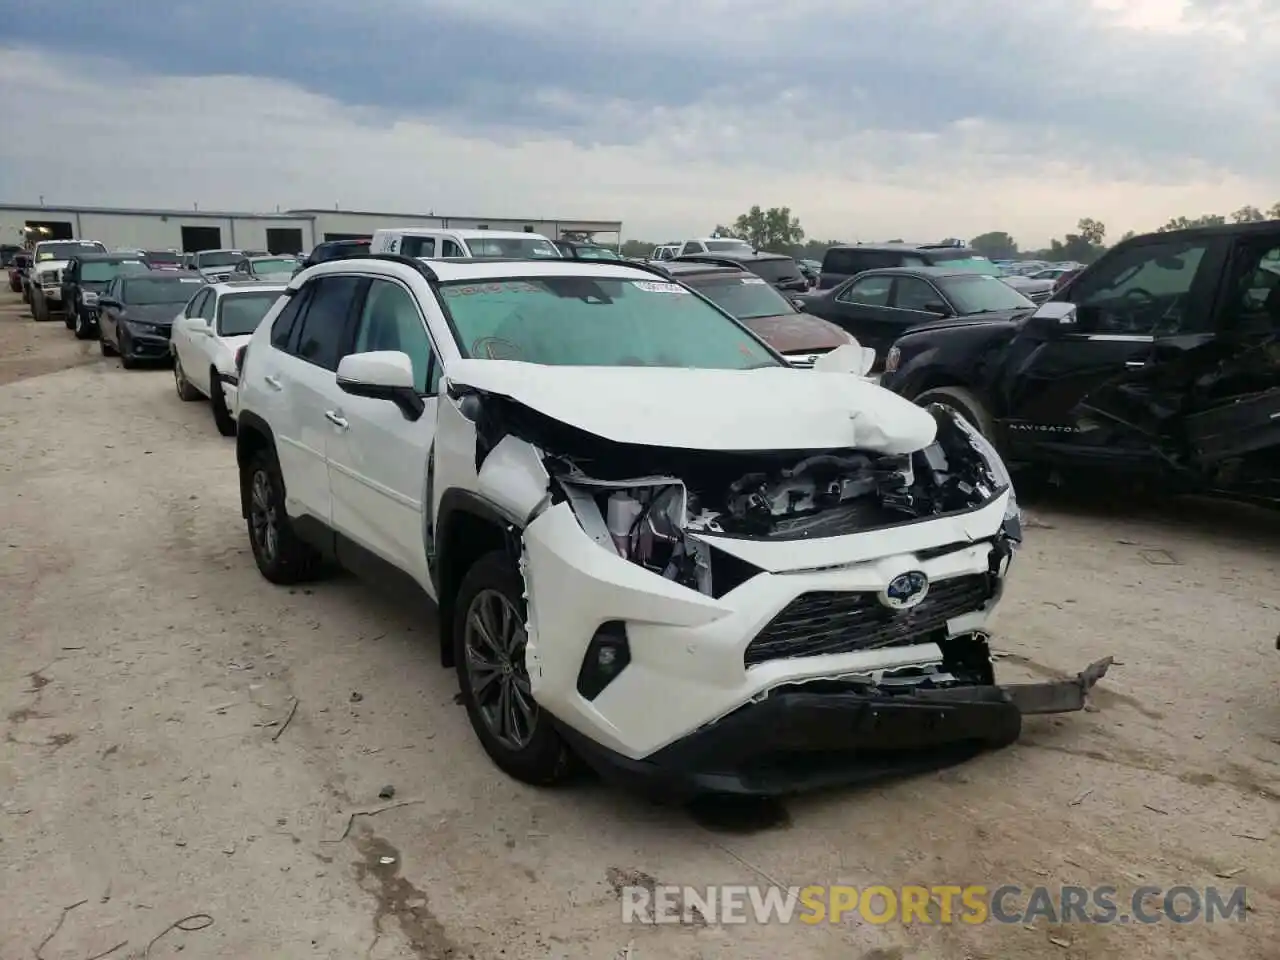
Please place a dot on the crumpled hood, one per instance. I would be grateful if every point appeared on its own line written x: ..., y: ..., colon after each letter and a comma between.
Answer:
x: 772, y: 408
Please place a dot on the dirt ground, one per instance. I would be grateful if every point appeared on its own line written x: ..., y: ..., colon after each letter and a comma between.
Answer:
x: 183, y: 740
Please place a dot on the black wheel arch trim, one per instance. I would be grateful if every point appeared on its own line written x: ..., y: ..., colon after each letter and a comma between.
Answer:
x: 250, y: 427
x: 446, y: 574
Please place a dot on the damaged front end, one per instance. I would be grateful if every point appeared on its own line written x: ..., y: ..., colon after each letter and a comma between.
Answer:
x: 820, y: 607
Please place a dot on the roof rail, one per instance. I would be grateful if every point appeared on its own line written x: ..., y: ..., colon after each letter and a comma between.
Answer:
x: 711, y: 259
x: 413, y: 262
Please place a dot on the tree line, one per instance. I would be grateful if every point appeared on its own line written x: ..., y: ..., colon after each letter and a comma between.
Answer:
x: 777, y: 229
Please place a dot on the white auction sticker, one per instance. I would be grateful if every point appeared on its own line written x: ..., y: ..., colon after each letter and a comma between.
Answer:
x: 651, y: 286
x: 752, y: 280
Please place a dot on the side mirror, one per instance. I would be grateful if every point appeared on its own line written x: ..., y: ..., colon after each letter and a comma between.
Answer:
x: 1052, y: 320
x: 201, y: 325
x: 382, y: 375
x: 938, y: 308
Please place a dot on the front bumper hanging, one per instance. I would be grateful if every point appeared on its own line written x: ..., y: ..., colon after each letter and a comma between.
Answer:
x: 795, y: 740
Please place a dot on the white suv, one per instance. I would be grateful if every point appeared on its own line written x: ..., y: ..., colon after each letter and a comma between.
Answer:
x: 654, y: 545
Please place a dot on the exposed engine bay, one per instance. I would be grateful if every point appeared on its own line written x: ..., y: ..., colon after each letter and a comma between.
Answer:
x: 649, y: 505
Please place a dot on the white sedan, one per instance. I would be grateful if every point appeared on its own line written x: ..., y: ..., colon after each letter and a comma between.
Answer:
x: 215, y: 323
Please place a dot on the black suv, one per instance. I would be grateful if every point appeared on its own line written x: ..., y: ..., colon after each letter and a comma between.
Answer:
x: 1162, y: 360
x: 87, y: 276
x: 777, y: 268
x: 334, y: 250
x: 841, y: 263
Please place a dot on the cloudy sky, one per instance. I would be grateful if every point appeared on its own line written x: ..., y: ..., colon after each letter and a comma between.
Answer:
x: 869, y: 118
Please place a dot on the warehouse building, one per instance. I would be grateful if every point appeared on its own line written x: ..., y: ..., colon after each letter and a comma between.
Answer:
x: 291, y: 231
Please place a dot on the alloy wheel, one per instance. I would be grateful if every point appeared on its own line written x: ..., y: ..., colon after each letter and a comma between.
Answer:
x: 263, y: 518
x: 494, y: 642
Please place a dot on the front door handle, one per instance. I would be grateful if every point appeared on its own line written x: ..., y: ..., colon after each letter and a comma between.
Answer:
x: 338, y: 421
x: 272, y: 382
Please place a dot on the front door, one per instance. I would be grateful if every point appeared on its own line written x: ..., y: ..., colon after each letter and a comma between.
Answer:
x: 378, y: 458
x: 1138, y: 309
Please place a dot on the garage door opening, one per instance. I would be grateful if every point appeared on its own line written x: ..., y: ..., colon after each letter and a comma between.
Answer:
x: 195, y: 239
x: 37, y: 230
x: 284, y: 240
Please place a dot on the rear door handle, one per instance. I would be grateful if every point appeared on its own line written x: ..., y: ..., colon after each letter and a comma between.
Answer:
x: 272, y: 382
x: 338, y: 421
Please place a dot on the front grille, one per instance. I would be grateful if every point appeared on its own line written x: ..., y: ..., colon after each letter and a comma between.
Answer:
x: 816, y: 624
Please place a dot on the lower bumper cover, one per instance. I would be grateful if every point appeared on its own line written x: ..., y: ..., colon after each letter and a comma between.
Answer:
x: 797, y: 740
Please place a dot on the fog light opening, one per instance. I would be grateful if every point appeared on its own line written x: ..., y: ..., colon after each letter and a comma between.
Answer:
x: 607, y: 656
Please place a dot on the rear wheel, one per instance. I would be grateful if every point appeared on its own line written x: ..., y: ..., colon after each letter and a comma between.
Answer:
x: 489, y: 646
x: 69, y: 316
x: 281, y: 556
x: 222, y: 418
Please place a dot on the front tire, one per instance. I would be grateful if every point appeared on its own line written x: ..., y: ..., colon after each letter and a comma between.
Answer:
x: 963, y: 402
x: 70, y: 316
x: 83, y: 328
x: 186, y: 391
x: 281, y: 556
x: 489, y: 644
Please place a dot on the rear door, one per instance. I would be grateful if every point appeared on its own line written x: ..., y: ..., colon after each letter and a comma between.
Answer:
x: 305, y: 379
x: 377, y: 457
x: 1139, y: 311
x: 1232, y: 385
x: 862, y: 307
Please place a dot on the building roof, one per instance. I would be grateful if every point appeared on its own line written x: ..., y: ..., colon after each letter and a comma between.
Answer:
x: 605, y: 226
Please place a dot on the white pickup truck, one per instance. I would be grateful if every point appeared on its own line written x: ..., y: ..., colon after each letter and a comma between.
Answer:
x: 48, y: 260
x: 439, y: 243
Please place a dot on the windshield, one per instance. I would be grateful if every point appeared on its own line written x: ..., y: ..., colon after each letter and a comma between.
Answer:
x: 596, y: 253
x: 728, y: 246
x: 282, y: 265
x: 969, y: 263
x: 517, y: 248
x: 240, y: 313
x: 743, y: 297
x: 64, y: 251
x: 101, y: 272
x: 155, y: 290
x: 588, y: 321
x: 783, y: 268
x: 980, y: 294
x: 220, y: 259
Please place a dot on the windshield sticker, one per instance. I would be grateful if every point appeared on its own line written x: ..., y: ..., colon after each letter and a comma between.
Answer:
x: 650, y: 286
x: 45, y: 256
x: 752, y: 280
x: 511, y: 286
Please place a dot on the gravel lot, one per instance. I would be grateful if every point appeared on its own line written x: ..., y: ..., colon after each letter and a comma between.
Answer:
x: 148, y: 669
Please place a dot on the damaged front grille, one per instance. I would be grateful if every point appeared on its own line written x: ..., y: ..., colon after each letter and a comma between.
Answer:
x: 816, y: 624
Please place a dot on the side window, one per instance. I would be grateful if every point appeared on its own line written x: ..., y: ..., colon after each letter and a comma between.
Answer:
x: 912, y: 293
x: 390, y: 320
x: 692, y: 247
x: 195, y: 308
x: 450, y: 249
x: 324, y: 325
x: 1142, y: 290
x: 287, y: 319
x: 418, y: 246
x: 1251, y: 303
x: 870, y: 291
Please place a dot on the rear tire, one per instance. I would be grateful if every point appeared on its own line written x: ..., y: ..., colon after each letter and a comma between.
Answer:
x: 963, y: 402
x: 222, y: 418
x: 493, y: 680
x: 281, y: 556
x: 69, y: 315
